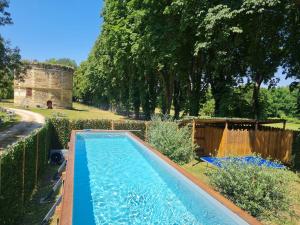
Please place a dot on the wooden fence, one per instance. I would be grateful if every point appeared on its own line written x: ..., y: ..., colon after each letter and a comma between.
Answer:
x: 222, y: 141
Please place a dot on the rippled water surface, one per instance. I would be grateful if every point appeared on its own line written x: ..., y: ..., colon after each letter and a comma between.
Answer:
x: 117, y: 181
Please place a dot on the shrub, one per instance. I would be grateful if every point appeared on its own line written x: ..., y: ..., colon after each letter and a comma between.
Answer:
x: 173, y: 142
x: 21, y: 165
x: 261, y: 191
x: 62, y: 128
x: 139, y: 126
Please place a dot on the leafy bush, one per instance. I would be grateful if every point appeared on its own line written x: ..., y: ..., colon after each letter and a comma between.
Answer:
x: 261, y: 191
x: 63, y: 127
x: 173, y: 142
x: 139, y: 126
x: 21, y: 165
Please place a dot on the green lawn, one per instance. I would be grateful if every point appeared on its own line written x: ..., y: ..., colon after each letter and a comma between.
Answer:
x: 8, y: 121
x: 289, y: 126
x: 198, y: 169
x: 7, y: 102
x: 79, y: 111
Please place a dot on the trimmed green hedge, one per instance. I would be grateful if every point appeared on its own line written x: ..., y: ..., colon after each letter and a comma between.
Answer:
x: 21, y: 165
x: 138, y: 127
x: 62, y: 128
x: 11, y: 203
x: 296, y: 150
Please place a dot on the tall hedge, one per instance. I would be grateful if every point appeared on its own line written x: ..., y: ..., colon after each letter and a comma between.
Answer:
x: 11, y: 193
x: 137, y: 127
x: 21, y: 165
x: 62, y: 128
x: 296, y: 150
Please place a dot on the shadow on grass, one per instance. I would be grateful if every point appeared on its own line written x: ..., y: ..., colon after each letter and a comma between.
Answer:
x: 34, y: 210
x: 79, y: 110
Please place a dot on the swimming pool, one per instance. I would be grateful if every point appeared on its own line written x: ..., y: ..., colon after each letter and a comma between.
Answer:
x: 119, y: 180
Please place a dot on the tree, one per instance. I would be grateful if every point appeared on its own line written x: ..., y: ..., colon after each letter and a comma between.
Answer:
x: 62, y: 61
x: 10, y: 59
x: 220, y: 41
x: 261, y: 23
x: 179, y: 53
x: 291, y: 62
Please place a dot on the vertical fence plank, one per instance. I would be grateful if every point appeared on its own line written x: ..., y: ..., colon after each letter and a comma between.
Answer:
x: 146, y: 131
x: 37, y: 159
x: 273, y: 142
x: 193, y: 132
x: 112, y: 125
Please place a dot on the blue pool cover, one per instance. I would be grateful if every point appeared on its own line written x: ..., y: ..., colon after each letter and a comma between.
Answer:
x: 255, y: 160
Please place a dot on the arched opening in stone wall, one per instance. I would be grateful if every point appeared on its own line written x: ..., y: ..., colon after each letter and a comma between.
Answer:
x: 49, y: 104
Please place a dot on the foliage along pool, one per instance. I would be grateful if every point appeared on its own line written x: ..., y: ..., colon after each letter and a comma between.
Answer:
x: 118, y: 180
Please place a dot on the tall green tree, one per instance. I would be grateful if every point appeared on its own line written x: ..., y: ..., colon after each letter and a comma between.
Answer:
x: 10, y: 59
x: 261, y: 23
x: 291, y: 62
x: 170, y: 53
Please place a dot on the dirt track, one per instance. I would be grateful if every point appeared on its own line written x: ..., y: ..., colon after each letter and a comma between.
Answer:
x: 29, y: 122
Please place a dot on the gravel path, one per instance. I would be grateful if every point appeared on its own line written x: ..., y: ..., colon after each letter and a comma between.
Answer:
x: 29, y: 122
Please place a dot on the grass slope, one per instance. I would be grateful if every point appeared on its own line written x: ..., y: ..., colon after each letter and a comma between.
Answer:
x: 289, y: 126
x: 79, y: 111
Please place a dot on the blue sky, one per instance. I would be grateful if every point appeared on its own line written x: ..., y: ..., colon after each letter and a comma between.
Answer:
x: 46, y: 29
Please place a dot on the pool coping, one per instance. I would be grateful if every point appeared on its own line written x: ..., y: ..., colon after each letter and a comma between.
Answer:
x: 67, y: 200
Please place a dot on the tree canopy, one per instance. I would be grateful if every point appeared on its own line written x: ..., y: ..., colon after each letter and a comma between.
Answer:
x: 62, y: 61
x: 177, y: 54
x: 10, y: 59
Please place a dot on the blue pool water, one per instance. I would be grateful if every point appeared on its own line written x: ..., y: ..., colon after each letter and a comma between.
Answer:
x: 119, y: 181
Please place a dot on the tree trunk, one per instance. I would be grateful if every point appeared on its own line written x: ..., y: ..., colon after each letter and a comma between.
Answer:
x: 152, y: 94
x: 176, y: 99
x: 146, y: 106
x: 217, y: 105
x: 298, y: 103
x: 194, y: 103
x: 255, y: 100
x: 168, y: 86
x: 136, y: 98
x: 136, y: 106
x: 195, y: 94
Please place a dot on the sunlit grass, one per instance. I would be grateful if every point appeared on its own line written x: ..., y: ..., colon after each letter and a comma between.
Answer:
x: 289, y: 126
x: 79, y: 111
x: 8, y: 121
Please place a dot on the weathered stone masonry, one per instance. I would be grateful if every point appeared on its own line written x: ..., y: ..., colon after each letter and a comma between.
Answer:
x: 44, y: 84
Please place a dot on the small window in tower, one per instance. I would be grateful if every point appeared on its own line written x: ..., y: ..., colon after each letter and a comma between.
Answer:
x: 28, y: 92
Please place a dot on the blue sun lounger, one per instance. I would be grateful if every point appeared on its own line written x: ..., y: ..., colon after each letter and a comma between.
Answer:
x: 246, y: 159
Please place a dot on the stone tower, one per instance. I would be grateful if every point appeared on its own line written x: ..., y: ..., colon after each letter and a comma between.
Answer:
x: 44, y: 86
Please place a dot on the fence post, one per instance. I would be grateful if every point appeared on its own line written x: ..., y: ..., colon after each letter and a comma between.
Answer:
x: 37, y: 158
x: 0, y: 172
x: 45, y: 147
x: 225, y: 147
x: 112, y: 125
x: 23, y: 176
x: 193, y: 132
x: 146, y: 131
